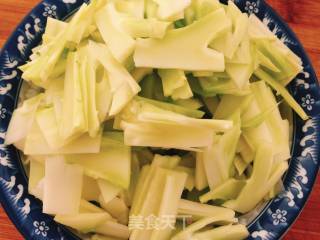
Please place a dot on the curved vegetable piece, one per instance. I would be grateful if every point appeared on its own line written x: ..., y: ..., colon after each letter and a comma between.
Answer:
x: 35, y: 144
x: 226, y: 191
x: 199, y: 210
x: 174, y: 52
x: 229, y: 232
x: 22, y: 119
x: 109, y: 21
x: 83, y: 222
x: 188, y: 232
x: 283, y: 92
x: 262, y: 180
x: 113, y: 229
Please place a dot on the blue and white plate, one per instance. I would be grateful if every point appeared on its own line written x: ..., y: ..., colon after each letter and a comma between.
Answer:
x: 274, y: 220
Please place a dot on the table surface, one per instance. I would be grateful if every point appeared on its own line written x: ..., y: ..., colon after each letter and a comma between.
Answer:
x: 302, y: 16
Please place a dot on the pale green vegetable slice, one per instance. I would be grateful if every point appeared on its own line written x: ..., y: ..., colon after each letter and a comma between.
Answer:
x: 62, y: 187
x: 165, y: 184
x: 229, y: 43
x: 218, y: 158
x: 175, y: 84
x: 103, y: 98
x: 36, y: 71
x: 36, y: 175
x: 109, y: 21
x: 112, y: 163
x: 113, y: 229
x: 53, y: 28
x: 89, y: 88
x: 83, y: 222
x: 229, y: 104
x: 117, y: 208
x: 262, y: 180
x: 108, y: 190
x: 122, y: 84
x: 257, y: 30
x: 174, y: 52
x: 145, y: 28
x: 201, y: 181
x: 22, y: 119
x: 190, y: 182
x: 146, y: 176
x: 226, y: 191
x: 283, y: 91
x: 199, y: 210
x: 173, y: 189
x: 46, y: 119
x: 246, y: 151
x: 188, y: 232
x: 35, y: 144
x: 254, y: 136
x: 73, y: 122
x: 266, y: 101
x: 168, y: 9
x: 166, y: 136
x: 173, y: 108
x: 229, y: 232
x: 140, y: 73
x: 192, y: 103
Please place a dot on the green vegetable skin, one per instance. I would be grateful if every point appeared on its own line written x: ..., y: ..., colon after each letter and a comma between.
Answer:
x: 124, y: 80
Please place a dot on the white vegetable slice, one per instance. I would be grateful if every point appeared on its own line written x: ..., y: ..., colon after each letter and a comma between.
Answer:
x: 22, y: 120
x: 198, y: 210
x: 62, y: 187
x: 229, y: 232
x: 121, y: 44
x: 83, y: 222
x: 110, y: 228
x: 36, y: 144
x: 117, y: 208
x: 112, y: 163
x: 174, y: 51
x: 36, y: 175
x: 168, y: 9
x: 188, y: 232
x: 123, y: 86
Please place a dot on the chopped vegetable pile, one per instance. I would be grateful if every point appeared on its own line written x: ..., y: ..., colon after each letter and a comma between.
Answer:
x: 156, y: 119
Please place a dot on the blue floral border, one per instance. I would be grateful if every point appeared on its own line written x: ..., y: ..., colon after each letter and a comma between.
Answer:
x: 26, y: 212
